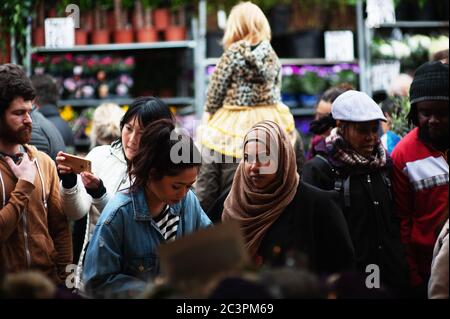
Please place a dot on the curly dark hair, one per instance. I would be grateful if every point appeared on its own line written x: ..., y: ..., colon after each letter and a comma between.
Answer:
x: 158, y: 146
x: 14, y: 83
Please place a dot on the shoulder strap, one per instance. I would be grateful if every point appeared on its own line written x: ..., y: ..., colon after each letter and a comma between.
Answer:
x: 339, y: 182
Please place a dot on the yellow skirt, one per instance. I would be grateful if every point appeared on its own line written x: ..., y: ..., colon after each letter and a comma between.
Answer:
x: 225, y: 130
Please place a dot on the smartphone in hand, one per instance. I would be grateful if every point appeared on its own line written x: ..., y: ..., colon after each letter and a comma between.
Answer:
x: 78, y: 164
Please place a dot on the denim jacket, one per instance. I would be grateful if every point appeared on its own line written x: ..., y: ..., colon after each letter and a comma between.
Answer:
x: 122, y: 257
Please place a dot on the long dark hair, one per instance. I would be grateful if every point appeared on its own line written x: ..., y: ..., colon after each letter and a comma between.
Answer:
x: 146, y: 109
x: 162, y: 152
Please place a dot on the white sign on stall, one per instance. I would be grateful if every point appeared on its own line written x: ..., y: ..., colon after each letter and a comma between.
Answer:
x: 59, y: 32
x: 383, y: 73
x: 339, y: 46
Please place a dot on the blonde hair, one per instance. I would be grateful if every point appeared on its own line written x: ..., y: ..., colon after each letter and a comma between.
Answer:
x: 106, y: 124
x: 246, y: 22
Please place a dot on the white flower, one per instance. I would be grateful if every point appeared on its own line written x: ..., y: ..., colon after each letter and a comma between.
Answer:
x: 413, y: 43
x: 418, y: 41
x: 386, y: 50
x: 438, y: 44
x: 425, y: 41
x: 401, y: 50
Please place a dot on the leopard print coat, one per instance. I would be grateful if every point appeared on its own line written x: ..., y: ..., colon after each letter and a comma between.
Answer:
x: 245, y: 76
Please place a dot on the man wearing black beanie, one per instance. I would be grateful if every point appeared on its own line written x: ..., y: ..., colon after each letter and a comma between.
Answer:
x: 421, y: 171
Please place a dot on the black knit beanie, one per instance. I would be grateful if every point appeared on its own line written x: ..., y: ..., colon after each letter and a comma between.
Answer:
x: 430, y: 83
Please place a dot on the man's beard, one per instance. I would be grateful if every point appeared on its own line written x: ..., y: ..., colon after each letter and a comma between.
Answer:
x: 21, y: 136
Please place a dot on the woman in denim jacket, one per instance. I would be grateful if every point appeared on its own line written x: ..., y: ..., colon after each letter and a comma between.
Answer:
x: 159, y: 207
x: 87, y: 194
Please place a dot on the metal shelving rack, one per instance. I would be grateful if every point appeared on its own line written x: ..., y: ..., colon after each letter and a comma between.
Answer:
x: 198, y: 45
x: 293, y: 61
x: 118, y: 47
x: 122, y: 101
x: 365, y: 38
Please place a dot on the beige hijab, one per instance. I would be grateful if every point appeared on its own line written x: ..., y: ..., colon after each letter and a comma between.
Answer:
x: 257, y: 210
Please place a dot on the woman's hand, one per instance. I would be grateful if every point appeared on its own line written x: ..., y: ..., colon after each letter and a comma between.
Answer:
x: 90, y: 181
x: 62, y: 169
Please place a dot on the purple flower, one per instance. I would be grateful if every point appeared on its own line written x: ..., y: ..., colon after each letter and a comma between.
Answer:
x: 125, y: 79
x: 210, y: 69
x: 121, y: 89
x: 355, y: 68
x: 337, y: 68
x: 70, y: 84
x: 287, y: 70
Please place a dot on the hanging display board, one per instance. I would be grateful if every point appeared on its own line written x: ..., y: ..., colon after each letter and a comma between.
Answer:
x: 59, y: 32
x: 339, y: 46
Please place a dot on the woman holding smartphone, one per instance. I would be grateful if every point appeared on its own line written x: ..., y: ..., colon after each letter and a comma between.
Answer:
x: 88, y: 193
x: 158, y: 208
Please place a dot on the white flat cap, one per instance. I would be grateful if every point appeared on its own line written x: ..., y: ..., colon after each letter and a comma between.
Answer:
x: 355, y: 106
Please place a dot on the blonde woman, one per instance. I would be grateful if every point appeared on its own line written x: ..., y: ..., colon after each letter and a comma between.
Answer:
x: 244, y: 90
x: 106, y: 124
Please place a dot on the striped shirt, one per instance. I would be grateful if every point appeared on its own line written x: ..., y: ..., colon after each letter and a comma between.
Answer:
x: 168, y: 224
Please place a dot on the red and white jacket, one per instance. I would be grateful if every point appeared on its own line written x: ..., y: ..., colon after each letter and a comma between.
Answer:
x: 420, y: 179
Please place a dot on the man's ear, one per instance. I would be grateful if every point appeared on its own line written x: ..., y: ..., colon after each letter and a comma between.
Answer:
x: 339, y: 123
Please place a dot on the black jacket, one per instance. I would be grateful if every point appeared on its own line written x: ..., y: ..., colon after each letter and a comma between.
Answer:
x: 312, y: 225
x: 52, y: 114
x: 366, y: 199
x: 45, y: 136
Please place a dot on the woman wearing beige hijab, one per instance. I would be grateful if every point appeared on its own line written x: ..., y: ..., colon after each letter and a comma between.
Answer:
x: 279, y: 214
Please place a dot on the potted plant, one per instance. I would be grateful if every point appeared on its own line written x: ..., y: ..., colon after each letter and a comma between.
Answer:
x: 308, y: 23
x: 290, y: 86
x: 340, y: 14
x: 13, y: 23
x: 100, y: 33
x: 38, y: 32
x: 176, y: 31
x: 313, y: 81
x: 4, y: 48
x: 345, y: 73
x: 400, y: 124
x: 410, y: 10
x: 279, y: 15
x: 162, y: 16
x: 145, y: 31
x: 123, y: 32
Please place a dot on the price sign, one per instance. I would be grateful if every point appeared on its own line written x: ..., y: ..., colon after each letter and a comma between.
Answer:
x: 339, y: 46
x: 59, y: 32
x: 383, y: 73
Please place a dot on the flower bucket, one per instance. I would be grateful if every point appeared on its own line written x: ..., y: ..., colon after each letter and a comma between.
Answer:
x: 146, y: 35
x: 81, y: 37
x: 161, y: 18
x: 100, y: 37
x: 123, y: 36
x: 175, y: 33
